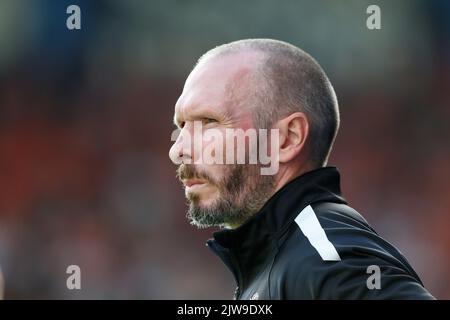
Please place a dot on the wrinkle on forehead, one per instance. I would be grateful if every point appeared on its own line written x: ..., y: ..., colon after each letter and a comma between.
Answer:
x: 223, y: 82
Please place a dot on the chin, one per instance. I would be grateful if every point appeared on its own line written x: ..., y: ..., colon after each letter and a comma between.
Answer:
x: 203, y: 200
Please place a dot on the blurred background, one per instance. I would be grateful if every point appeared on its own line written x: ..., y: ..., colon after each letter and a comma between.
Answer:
x: 86, y: 118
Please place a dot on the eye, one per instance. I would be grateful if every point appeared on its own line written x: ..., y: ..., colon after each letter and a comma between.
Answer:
x: 209, y: 120
x: 181, y: 124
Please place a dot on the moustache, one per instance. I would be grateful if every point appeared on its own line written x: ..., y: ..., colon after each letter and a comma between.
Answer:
x: 188, y: 171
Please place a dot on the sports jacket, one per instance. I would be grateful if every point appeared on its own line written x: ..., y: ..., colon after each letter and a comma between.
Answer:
x: 307, y: 243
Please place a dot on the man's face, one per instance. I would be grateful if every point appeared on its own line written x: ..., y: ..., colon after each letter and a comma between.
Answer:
x: 217, y: 94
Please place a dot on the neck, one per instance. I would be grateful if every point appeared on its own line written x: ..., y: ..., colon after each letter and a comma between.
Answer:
x: 287, y: 174
x: 283, y: 177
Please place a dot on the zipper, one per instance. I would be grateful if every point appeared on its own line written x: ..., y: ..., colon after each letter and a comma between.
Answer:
x: 230, y: 261
x: 237, y: 293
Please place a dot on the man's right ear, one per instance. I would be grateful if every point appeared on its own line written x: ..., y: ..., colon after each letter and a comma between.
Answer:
x: 293, y: 132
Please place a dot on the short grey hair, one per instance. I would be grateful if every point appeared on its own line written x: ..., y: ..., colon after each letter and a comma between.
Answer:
x: 290, y: 80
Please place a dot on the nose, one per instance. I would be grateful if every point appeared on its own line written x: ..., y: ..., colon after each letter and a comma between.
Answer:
x: 180, y: 152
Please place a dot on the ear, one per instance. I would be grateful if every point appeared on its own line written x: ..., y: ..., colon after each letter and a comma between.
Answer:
x: 293, y: 132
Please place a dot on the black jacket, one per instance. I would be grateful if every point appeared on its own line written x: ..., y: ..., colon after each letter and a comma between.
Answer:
x: 306, y: 243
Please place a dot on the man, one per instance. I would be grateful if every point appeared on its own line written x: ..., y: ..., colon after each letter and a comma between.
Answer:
x: 290, y: 234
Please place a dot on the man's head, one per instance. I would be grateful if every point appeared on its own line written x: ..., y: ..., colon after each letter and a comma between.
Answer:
x: 252, y: 84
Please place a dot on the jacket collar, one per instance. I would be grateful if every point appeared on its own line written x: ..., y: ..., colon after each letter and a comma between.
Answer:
x: 244, y: 248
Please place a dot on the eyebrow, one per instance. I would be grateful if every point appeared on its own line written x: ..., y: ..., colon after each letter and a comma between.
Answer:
x: 203, y: 114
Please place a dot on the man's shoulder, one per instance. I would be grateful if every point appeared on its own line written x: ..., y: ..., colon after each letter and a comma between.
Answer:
x: 328, y: 243
x: 305, y: 251
x: 320, y: 232
x: 327, y: 231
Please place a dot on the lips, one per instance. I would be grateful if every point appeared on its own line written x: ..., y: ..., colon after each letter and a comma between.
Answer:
x: 192, y: 182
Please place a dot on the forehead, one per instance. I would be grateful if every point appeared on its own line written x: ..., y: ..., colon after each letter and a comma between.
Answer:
x: 211, y: 86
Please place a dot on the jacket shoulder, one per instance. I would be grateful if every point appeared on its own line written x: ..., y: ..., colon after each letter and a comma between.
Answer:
x: 330, y: 251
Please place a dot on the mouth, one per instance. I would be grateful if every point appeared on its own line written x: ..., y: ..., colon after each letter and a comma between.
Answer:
x: 194, y: 184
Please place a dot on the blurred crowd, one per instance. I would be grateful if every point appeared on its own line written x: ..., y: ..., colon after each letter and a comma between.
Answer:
x: 86, y: 118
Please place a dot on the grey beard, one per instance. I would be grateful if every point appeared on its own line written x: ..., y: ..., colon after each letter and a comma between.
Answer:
x: 242, y: 198
x: 221, y: 214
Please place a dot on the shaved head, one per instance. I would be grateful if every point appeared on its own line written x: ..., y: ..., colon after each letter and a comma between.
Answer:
x: 284, y: 79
